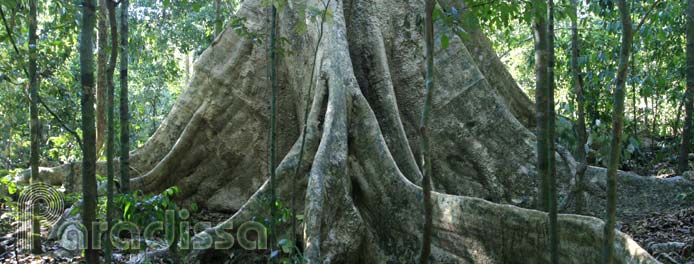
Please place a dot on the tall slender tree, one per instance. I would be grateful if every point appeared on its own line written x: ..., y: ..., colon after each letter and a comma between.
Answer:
x: 543, y: 26
x: 551, y: 194
x: 218, y: 21
x: 101, y: 64
x: 617, y: 126
x: 34, y: 113
x: 683, y: 164
x: 89, y: 194
x: 110, y: 127
x: 580, y: 125
x: 273, y: 121
x: 124, y: 113
x: 541, y: 65
x: 423, y: 126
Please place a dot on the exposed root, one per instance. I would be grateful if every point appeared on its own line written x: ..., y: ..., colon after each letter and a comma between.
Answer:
x: 157, y: 175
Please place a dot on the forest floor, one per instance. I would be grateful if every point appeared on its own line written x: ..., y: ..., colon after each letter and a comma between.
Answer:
x: 667, y: 235
x: 661, y: 234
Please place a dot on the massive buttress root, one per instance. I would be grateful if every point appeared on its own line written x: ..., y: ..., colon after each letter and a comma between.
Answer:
x: 358, y: 184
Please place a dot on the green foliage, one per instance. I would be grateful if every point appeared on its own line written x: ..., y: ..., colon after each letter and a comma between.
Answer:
x: 686, y: 196
x: 143, y: 209
x: 163, y: 36
x: 655, y: 79
x: 287, y: 249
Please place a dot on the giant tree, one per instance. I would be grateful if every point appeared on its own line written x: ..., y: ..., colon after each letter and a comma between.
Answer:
x: 359, y: 182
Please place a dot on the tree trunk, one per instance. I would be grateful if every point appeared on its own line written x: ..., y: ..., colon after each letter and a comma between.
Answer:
x: 683, y: 164
x: 272, y: 53
x: 358, y: 179
x: 34, y: 112
x: 645, y: 114
x: 655, y: 101
x: 218, y: 21
x: 101, y: 82
x: 616, y: 140
x: 634, y: 94
x: 580, y: 124
x: 541, y: 98
x: 89, y: 196
x: 551, y: 191
x: 124, y: 112
x: 425, y: 141
x: 111, y: 126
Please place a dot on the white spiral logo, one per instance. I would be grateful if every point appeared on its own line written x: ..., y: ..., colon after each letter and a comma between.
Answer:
x: 42, y: 201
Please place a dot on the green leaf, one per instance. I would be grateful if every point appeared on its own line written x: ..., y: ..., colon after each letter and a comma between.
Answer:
x: 444, y: 41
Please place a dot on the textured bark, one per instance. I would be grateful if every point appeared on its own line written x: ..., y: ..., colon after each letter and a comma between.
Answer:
x: 358, y: 178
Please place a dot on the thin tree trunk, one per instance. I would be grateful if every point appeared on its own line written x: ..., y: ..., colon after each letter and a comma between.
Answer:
x: 110, y: 144
x: 187, y: 65
x: 645, y: 115
x: 89, y: 135
x: 654, y: 124
x: 34, y: 112
x: 634, y: 93
x: 101, y: 83
x: 424, y: 123
x: 218, y: 22
x: 617, y: 124
x: 581, y: 121
x: 124, y: 113
x: 683, y: 164
x: 541, y: 94
x: 678, y: 116
x: 551, y: 173
x: 273, y: 123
